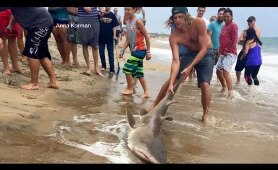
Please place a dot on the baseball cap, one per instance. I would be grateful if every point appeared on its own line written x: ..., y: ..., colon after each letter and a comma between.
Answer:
x: 251, y: 18
x: 176, y: 10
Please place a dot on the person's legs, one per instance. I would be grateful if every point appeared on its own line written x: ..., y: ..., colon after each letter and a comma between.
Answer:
x: 145, y: 87
x: 36, y: 48
x: 205, y: 99
x: 254, y: 75
x: 34, y: 65
x: 219, y: 72
x: 4, y: 56
x: 95, y: 55
x: 129, y: 89
x: 74, y: 54
x: 239, y: 67
x: 247, y: 75
x: 86, y: 57
x: 238, y: 74
x: 58, y: 40
x: 20, y: 45
x: 47, y: 66
x: 62, y: 31
x: 13, y: 53
x: 110, y: 49
x: 204, y: 71
x: 101, y: 47
x: 228, y: 79
x: 221, y: 78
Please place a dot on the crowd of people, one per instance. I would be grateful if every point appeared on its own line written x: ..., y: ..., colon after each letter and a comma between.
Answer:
x: 197, y: 45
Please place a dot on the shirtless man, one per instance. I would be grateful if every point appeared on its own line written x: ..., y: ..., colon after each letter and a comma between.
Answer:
x: 192, y: 33
x: 39, y: 27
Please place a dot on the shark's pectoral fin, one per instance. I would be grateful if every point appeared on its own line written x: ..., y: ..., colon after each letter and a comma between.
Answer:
x: 130, y: 119
x: 168, y: 118
x: 143, y: 112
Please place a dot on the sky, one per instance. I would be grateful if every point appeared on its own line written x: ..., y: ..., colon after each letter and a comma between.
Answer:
x: 266, y: 18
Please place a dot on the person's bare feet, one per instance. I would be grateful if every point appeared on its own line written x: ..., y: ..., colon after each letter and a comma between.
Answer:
x: 18, y: 70
x: 231, y: 94
x: 7, y: 72
x: 223, y: 90
x: 97, y: 72
x: 238, y: 82
x: 76, y: 64
x: 127, y: 92
x: 88, y: 72
x: 65, y: 64
x: 30, y: 86
x: 205, y: 119
x: 145, y: 95
x: 53, y: 85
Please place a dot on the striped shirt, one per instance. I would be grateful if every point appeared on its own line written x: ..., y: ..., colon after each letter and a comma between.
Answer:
x: 82, y: 13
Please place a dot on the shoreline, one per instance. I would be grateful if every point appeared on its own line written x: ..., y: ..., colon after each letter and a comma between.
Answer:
x: 32, y: 122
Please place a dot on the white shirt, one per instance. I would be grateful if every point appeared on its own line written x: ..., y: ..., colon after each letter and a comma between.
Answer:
x: 206, y: 21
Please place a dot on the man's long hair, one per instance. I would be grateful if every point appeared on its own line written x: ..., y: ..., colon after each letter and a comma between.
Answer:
x: 187, y: 18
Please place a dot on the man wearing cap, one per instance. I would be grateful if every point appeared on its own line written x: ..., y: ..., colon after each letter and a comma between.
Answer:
x: 192, y: 33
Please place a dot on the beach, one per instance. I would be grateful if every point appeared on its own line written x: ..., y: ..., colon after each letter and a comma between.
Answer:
x: 84, y: 120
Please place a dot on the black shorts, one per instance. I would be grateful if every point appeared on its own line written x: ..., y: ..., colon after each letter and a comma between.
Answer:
x: 36, y: 44
x: 240, y: 64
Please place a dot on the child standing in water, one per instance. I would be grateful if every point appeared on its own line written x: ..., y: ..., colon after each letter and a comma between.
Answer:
x: 136, y: 34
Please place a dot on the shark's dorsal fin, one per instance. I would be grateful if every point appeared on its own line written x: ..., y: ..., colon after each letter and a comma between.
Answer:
x: 130, y: 119
x: 143, y: 112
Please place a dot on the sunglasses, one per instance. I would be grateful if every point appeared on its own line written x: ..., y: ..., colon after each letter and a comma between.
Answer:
x: 249, y: 20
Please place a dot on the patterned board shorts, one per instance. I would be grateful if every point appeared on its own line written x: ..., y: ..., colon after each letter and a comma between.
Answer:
x: 134, y: 64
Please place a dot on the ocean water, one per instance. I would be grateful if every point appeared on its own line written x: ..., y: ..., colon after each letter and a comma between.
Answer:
x: 267, y: 74
x: 241, y: 130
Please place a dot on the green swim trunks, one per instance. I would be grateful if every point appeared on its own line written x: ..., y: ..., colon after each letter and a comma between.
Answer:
x: 134, y: 64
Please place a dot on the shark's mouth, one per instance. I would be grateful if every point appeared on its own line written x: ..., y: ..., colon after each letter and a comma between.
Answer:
x: 144, y: 155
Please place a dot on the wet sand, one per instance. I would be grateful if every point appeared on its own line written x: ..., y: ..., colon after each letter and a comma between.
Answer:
x: 28, y: 116
x: 60, y: 125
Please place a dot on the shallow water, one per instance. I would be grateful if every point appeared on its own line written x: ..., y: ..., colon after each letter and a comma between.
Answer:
x: 88, y: 122
x: 242, y: 130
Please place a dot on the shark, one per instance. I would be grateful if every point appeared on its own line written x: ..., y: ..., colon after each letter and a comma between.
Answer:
x: 145, y: 138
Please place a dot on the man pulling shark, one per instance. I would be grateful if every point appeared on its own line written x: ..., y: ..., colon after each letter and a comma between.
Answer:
x: 147, y: 141
x: 192, y: 33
